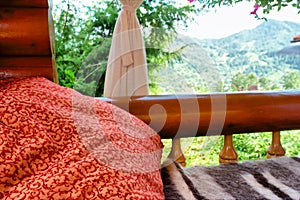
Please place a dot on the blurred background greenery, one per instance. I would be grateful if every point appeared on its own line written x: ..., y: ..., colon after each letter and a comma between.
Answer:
x: 180, y: 64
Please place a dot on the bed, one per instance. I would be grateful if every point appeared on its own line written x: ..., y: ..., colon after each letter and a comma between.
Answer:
x: 58, y: 144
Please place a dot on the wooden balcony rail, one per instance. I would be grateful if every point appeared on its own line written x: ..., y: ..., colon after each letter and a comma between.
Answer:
x: 179, y: 116
x: 176, y: 152
x: 228, y: 153
x: 203, y: 115
x: 275, y: 149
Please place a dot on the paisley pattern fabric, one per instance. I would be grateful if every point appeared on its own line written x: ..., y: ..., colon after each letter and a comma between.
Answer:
x: 58, y: 144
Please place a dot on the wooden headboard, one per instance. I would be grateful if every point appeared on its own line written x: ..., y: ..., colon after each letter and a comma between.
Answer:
x: 27, y: 39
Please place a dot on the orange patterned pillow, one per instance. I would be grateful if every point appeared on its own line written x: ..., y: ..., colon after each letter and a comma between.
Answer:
x: 58, y: 144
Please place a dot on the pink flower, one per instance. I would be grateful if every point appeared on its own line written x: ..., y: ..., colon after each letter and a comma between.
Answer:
x: 256, y: 6
x: 191, y: 1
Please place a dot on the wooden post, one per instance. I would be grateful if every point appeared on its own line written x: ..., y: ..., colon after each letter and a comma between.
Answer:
x: 176, y: 153
x: 275, y: 149
x: 52, y: 41
x: 228, y: 153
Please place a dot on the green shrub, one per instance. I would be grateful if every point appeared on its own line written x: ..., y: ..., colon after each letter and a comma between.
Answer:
x: 205, y: 150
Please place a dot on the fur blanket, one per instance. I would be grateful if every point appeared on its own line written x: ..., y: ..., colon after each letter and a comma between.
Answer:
x: 269, y: 179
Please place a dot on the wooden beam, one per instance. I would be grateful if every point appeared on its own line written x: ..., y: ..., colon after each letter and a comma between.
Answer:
x: 26, y: 67
x: 27, y: 39
x: 215, y: 114
x: 25, y: 3
x: 24, y: 32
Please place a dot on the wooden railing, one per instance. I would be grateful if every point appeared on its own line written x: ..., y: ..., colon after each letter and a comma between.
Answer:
x: 178, y: 116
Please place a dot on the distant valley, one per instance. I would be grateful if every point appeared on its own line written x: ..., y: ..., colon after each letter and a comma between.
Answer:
x: 209, y: 65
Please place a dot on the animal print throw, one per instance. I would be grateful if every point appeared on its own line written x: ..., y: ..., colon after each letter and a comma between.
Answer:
x: 277, y: 178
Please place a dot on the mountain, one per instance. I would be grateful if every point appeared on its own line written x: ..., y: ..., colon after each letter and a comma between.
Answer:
x: 290, y: 50
x: 271, y: 34
x: 211, y: 63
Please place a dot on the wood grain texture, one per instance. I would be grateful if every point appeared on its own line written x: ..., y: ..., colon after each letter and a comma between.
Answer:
x: 26, y: 67
x: 24, y: 32
x: 228, y: 153
x: 24, y: 3
x: 27, y: 39
x: 275, y: 149
x: 201, y: 115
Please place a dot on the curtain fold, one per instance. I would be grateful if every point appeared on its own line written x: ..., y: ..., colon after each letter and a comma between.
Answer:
x: 126, y: 73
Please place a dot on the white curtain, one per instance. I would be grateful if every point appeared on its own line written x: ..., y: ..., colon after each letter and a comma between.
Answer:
x: 126, y: 73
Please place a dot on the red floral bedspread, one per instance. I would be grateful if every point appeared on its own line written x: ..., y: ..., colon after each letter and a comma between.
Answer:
x: 58, y: 144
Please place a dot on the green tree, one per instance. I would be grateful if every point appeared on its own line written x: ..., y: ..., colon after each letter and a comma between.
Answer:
x: 80, y: 29
x: 266, y: 84
x: 243, y: 81
x: 84, y: 30
x: 267, y: 5
x: 291, y: 80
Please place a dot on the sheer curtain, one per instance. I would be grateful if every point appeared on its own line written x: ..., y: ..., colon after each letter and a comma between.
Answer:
x: 126, y: 73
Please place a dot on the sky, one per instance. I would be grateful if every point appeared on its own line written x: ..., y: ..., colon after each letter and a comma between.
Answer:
x: 229, y: 20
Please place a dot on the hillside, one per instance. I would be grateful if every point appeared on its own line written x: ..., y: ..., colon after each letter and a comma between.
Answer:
x: 289, y: 50
x: 210, y: 64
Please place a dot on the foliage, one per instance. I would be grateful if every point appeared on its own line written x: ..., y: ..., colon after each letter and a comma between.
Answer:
x: 291, y: 80
x: 267, y: 5
x: 205, y: 150
x: 243, y: 82
x: 250, y: 57
x: 91, y: 32
x: 77, y: 37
